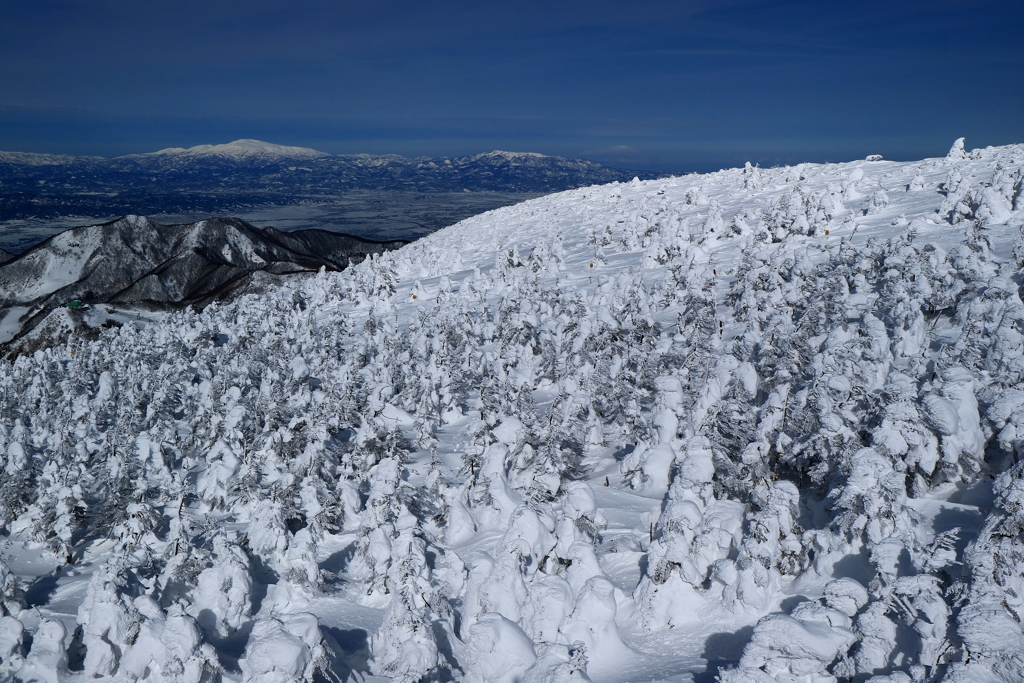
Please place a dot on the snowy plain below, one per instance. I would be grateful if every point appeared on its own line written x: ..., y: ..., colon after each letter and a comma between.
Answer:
x: 760, y: 424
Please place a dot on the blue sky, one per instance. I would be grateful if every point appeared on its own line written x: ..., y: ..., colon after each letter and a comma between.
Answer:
x: 659, y: 85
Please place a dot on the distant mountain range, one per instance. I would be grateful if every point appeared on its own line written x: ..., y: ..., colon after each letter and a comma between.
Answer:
x: 221, y: 178
x: 135, y: 263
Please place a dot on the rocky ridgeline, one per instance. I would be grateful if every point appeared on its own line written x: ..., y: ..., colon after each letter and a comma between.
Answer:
x: 134, y: 262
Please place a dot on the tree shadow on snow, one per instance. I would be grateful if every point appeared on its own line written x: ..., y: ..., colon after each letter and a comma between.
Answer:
x: 790, y: 603
x: 350, y: 653
x: 263, y: 577
x: 621, y: 454
x: 722, y: 649
x: 39, y: 591
x: 857, y: 567
x: 230, y: 649
x: 333, y: 568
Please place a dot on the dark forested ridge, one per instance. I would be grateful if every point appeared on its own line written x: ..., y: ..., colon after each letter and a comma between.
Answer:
x: 136, y: 262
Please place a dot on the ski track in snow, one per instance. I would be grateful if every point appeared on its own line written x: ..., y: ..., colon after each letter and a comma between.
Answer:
x: 766, y: 420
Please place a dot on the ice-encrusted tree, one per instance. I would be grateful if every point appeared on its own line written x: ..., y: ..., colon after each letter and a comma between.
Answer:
x: 12, y: 598
x: 990, y: 620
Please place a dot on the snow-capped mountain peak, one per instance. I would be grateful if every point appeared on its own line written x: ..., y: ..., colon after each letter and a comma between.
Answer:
x: 244, y: 149
x: 513, y: 155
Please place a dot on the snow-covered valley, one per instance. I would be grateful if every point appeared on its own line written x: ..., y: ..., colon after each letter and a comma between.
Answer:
x: 761, y: 424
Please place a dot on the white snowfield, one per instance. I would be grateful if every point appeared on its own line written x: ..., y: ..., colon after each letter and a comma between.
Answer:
x: 761, y: 424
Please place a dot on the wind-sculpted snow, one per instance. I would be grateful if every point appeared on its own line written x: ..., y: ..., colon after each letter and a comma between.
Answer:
x: 763, y: 424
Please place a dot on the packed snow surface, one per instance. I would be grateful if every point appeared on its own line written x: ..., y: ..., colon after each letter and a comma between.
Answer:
x: 761, y: 424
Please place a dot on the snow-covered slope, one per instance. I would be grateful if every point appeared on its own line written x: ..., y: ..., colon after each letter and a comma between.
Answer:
x: 767, y: 420
x: 134, y: 260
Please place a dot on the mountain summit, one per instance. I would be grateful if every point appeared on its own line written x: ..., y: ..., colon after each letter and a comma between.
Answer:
x: 242, y: 149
